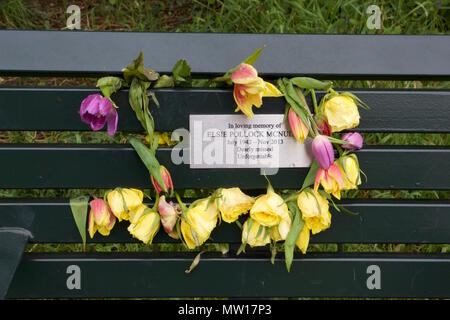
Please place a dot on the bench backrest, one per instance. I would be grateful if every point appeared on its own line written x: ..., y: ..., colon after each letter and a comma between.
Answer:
x: 63, y: 166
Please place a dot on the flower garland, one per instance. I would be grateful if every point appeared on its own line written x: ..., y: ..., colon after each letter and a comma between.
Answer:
x: 284, y: 222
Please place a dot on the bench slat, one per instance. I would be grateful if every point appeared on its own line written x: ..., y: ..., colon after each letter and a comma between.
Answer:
x: 325, y: 56
x: 313, y: 275
x: 106, y: 166
x: 57, y: 109
x: 379, y: 221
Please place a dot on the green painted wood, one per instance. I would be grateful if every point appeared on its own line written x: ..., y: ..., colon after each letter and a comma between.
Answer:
x: 379, y: 221
x: 152, y: 275
x: 339, y: 56
x: 58, y: 108
x: 106, y: 166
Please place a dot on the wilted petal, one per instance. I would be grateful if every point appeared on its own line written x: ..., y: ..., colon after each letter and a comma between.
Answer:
x: 271, y: 91
x: 112, y: 120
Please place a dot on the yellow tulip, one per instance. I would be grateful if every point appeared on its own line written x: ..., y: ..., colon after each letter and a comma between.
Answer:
x: 255, y: 234
x: 269, y: 210
x: 122, y: 200
x: 232, y: 202
x: 136, y: 213
x: 315, y: 210
x: 199, y: 221
x: 350, y: 172
x: 146, y: 227
x: 303, y: 239
x: 341, y: 112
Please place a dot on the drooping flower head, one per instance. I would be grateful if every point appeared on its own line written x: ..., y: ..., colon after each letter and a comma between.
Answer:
x: 169, y: 213
x: 341, y: 112
x: 355, y: 139
x: 199, y: 221
x: 232, y: 202
x: 97, y: 111
x: 323, y: 151
x: 101, y: 218
x: 249, y: 89
x: 330, y: 179
x: 145, y: 223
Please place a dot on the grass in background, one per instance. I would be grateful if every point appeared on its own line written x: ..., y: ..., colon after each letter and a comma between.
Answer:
x: 252, y: 16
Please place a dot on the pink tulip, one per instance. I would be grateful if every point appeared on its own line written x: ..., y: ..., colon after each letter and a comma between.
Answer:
x: 167, y: 179
x: 355, y: 139
x: 323, y: 151
x: 298, y: 128
x: 101, y: 218
x: 169, y: 213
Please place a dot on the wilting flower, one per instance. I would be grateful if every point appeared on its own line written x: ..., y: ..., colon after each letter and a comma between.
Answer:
x: 146, y: 224
x: 350, y: 172
x: 169, y: 216
x: 122, y: 200
x: 96, y: 111
x: 323, y: 151
x: 269, y: 210
x: 232, y: 202
x: 323, y: 126
x: 355, y: 139
x: 255, y: 234
x: 101, y: 218
x: 167, y: 179
x: 199, y: 221
x: 303, y: 239
x: 330, y: 179
x: 315, y: 210
x: 298, y: 127
x: 280, y: 232
x: 341, y: 113
x: 249, y: 89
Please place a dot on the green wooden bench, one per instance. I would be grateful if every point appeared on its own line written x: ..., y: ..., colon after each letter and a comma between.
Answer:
x: 63, y: 166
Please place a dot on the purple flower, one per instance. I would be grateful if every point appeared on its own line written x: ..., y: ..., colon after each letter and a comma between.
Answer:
x: 355, y: 139
x: 323, y: 151
x: 96, y: 110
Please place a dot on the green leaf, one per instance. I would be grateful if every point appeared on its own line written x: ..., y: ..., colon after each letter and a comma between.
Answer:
x: 164, y: 81
x: 109, y: 85
x: 294, y: 232
x: 294, y: 101
x: 311, y: 176
x: 311, y: 83
x: 136, y: 70
x: 254, y: 56
x: 79, y: 207
x: 181, y: 71
x: 149, y: 160
x: 135, y: 100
